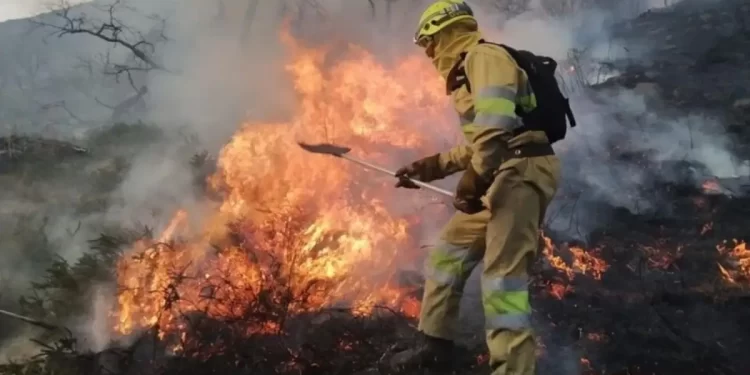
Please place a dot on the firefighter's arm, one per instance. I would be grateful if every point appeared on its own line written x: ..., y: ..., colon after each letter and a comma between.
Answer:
x: 455, y: 159
x: 494, y: 80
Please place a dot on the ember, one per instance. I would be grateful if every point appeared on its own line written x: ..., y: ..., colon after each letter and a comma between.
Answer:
x: 712, y: 187
x: 583, y: 262
x: 600, y: 337
x: 736, y: 260
x: 660, y: 258
x: 558, y: 290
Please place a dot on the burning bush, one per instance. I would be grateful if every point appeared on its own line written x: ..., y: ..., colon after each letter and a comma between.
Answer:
x: 291, y: 232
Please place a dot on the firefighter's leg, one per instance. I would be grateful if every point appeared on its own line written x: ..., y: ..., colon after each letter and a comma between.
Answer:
x: 447, y: 268
x: 518, y: 201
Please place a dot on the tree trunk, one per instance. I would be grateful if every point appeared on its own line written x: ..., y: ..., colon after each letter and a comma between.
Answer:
x: 252, y: 8
x: 388, y: 12
x: 221, y: 12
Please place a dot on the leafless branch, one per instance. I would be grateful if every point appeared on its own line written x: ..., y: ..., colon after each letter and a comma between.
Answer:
x: 121, y: 109
x: 221, y: 12
x: 103, y: 104
x: 62, y: 105
x: 320, y: 10
x: 372, y: 8
x: 114, y: 31
x: 303, y: 7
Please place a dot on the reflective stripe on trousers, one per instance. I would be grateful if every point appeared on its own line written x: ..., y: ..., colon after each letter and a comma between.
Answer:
x: 449, y: 264
x: 506, y: 303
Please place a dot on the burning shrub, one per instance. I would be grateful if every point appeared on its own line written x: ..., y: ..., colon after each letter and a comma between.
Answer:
x: 287, y: 232
x: 735, y: 262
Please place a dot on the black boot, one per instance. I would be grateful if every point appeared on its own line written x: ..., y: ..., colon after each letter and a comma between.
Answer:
x: 428, y: 353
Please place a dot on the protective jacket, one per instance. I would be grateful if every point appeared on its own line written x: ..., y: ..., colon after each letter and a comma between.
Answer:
x: 487, y: 113
x: 505, y: 235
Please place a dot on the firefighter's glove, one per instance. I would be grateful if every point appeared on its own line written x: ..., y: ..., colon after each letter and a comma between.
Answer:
x: 470, y: 190
x: 425, y: 170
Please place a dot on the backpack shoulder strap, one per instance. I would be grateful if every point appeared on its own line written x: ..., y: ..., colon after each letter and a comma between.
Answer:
x: 457, y: 76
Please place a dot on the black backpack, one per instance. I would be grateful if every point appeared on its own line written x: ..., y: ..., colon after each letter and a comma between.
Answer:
x: 552, y: 112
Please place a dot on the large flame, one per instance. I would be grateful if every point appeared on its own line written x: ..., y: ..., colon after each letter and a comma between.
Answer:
x: 297, y: 231
x: 322, y: 231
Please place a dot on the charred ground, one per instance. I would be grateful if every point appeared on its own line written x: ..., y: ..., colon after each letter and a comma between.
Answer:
x: 662, y: 291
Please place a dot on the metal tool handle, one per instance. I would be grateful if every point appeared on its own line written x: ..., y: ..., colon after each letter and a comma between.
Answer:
x: 340, y: 152
x: 393, y: 174
x: 26, y: 319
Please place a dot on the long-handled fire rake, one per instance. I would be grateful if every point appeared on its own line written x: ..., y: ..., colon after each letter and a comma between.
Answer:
x: 31, y: 321
x: 341, y: 152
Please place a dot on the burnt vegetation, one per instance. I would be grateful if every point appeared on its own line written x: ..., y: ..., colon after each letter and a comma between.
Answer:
x: 660, y: 305
x: 663, y: 290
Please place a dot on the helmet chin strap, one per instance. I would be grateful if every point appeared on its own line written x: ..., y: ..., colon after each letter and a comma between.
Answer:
x: 430, y: 50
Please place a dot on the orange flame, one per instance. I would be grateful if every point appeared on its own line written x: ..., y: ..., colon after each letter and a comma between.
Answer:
x: 712, y: 187
x: 597, y: 336
x: 583, y: 263
x: 736, y: 260
x: 483, y: 358
x: 558, y: 290
x: 317, y: 227
x: 585, y: 363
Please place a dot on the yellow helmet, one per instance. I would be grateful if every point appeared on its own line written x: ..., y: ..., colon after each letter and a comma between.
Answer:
x: 438, y: 16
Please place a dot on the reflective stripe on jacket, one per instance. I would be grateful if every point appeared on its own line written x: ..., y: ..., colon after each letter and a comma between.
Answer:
x: 487, y: 114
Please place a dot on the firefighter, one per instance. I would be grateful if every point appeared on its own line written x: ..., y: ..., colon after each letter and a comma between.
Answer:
x: 510, y: 175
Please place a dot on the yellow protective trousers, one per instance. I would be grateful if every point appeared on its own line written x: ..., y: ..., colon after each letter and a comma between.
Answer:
x: 506, y: 238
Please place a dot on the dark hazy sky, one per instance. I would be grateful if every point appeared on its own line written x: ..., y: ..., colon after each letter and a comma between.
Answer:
x: 12, y: 9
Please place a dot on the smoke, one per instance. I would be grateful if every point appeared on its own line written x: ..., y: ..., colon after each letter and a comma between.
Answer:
x: 616, y: 125
x: 226, y: 68
x: 96, y: 331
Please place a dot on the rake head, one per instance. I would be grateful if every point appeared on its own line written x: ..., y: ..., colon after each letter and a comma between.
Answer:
x: 324, y: 148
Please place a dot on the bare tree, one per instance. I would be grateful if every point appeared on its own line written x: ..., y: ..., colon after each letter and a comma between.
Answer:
x: 127, y: 105
x: 302, y: 8
x: 28, y: 65
x: 60, y: 104
x: 388, y: 9
x: 511, y: 8
x: 252, y: 9
x: 114, y: 31
x: 141, y: 48
x: 221, y: 12
x: 561, y: 8
x: 296, y: 9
